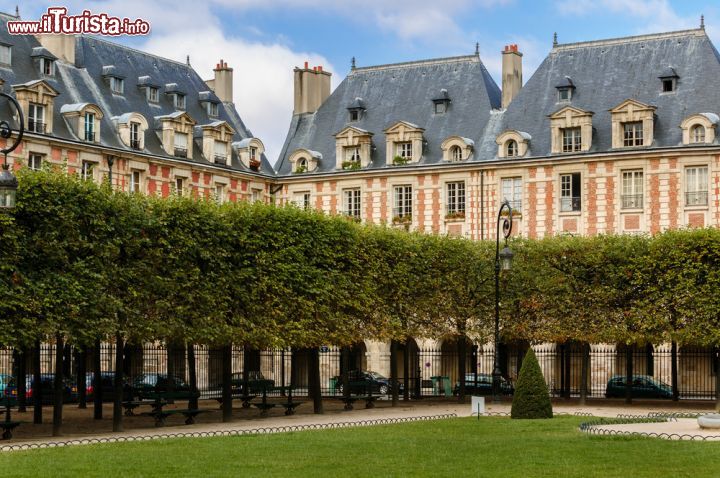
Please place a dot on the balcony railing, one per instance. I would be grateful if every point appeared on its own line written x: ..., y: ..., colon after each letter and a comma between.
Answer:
x: 89, y: 136
x: 515, y: 204
x: 569, y: 204
x: 135, y: 143
x: 632, y: 201
x: 36, y: 126
x: 220, y: 159
x: 696, y: 198
x: 180, y: 152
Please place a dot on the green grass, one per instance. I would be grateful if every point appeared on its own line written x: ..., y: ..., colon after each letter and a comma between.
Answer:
x: 460, y: 447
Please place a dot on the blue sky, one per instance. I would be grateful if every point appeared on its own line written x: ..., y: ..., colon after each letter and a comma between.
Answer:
x: 264, y: 39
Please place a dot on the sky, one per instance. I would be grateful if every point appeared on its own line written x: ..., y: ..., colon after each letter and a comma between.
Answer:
x: 262, y: 40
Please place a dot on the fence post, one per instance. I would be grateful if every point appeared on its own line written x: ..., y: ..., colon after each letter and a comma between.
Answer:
x: 81, y: 359
x: 22, y: 378
x: 674, y: 371
x: 192, y: 376
x: 628, y: 374
x: 394, y: 372
x: 584, y: 364
x: 97, y: 381
x: 462, y: 363
x: 36, y: 388
x: 227, y: 383
x: 118, y: 384
x: 58, y: 386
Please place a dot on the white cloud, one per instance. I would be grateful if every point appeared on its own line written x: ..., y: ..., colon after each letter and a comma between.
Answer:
x: 652, y: 15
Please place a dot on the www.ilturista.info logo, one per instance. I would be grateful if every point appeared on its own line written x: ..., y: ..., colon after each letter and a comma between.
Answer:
x: 57, y: 21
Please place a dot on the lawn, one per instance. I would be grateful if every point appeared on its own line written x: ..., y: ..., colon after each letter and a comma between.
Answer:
x: 459, y: 447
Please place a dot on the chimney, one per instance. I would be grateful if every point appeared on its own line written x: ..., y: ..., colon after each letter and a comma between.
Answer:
x: 511, y: 74
x: 62, y: 46
x: 312, y: 88
x: 222, y: 85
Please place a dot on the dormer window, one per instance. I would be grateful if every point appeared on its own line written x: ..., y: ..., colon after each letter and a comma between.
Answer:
x: 356, y: 109
x: 47, y: 66
x: 565, y: 89
x: 89, y: 126
x: 456, y: 154
x: 668, y: 85
x: 220, y: 152
x: 441, y: 102
x: 179, y: 101
x: 699, y: 128
x: 404, y: 143
x: 697, y: 134
x: 135, y: 135
x: 354, y: 115
x: 253, y: 153
x: 301, y: 165
x: 457, y: 148
x: 153, y: 94
x: 352, y: 158
x: 180, y: 149
x: 511, y: 149
x: 36, y: 118
x: 212, y: 109
x: 5, y: 54
x: 668, y: 80
x: 564, y: 94
x: 117, y: 85
x: 633, y: 133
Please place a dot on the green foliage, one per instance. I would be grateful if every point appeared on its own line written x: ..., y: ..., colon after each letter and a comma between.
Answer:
x: 400, y: 161
x: 351, y: 165
x: 531, y: 398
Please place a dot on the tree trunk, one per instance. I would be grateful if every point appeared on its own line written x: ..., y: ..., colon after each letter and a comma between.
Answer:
x: 226, y: 383
x: 717, y: 379
x: 394, y: 372
x: 584, y: 373
x: 36, y: 388
x: 22, y: 379
x: 118, y: 385
x: 628, y: 375
x: 58, y: 386
x: 81, y: 358
x: 344, y: 380
x: 462, y: 359
x: 192, y: 376
x: 674, y: 371
x: 97, y: 382
x: 406, y: 373
x: 315, y: 390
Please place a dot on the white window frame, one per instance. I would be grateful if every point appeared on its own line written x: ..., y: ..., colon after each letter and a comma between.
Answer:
x: 633, y: 189
x: 403, y: 201
x: 512, y: 192
x: 117, y: 85
x: 86, y: 170
x: 697, y: 134
x: 135, y: 134
x: 153, y: 94
x: 47, y: 67
x: 35, y: 161
x: 35, y: 119
x: 455, y: 197
x: 302, y: 199
x: 633, y: 134
x: 571, y: 139
x: 256, y: 195
x: 180, y: 101
x: 213, y: 109
x: 696, y: 186
x: 352, y: 154
x: 569, y: 202
x: 180, y: 143
x: 511, y: 148
x: 179, y: 185
x: 6, y: 55
x: 456, y: 153
x: 352, y: 202
x: 220, y: 193
x: 404, y: 149
x: 220, y: 151
x: 135, y: 181
x: 89, y: 126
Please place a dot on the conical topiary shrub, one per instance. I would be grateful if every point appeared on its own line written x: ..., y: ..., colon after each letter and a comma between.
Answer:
x: 531, y: 398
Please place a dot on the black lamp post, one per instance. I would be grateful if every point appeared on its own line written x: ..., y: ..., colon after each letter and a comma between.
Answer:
x: 503, y: 261
x: 8, y: 181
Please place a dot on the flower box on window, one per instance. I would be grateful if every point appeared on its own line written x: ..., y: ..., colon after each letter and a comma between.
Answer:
x: 400, y: 161
x: 455, y: 216
x: 351, y: 165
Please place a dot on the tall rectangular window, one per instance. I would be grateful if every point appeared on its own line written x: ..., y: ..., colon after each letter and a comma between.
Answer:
x: 179, y: 101
x: 351, y: 202
x: 696, y: 186
x: 220, y: 152
x: 632, y: 192
x: 6, y: 54
x: 302, y: 199
x: 47, y: 66
x: 404, y: 150
x: 135, y: 135
x: 512, y: 192
x: 633, y: 134
x: 86, y: 170
x: 179, y: 186
x: 571, y: 140
x: 135, y: 181
x: 403, y: 202
x: 89, y: 126
x: 117, y: 85
x: 570, y: 192
x: 455, y: 193
x: 153, y: 94
x: 35, y: 161
x: 36, y: 118
x: 181, y: 144
x: 256, y: 195
x: 220, y: 193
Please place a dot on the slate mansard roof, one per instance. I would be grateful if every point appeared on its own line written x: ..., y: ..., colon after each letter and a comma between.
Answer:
x: 607, y: 72
x: 399, y: 92
x: 84, y: 83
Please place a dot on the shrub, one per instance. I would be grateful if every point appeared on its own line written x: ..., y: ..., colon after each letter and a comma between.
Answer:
x: 531, y: 399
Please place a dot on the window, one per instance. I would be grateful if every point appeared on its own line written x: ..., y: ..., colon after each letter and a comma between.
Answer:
x: 220, y: 152
x: 697, y: 134
x: 153, y: 94
x: 135, y: 135
x: 456, y: 154
x: 117, y: 85
x: 351, y: 203
x: 86, y: 170
x: 47, y: 66
x: 35, y: 161
x: 181, y: 145
x: 179, y: 186
x: 135, y: 181
x: 354, y: 115
x: 352, y: 154
x: 696, y: 186
x: 89, y: 126
x: 256, y: 195
x: 253, y: 153
x: 179, y: 101
x: 6, y: 54
x: 632, y: 192
x: 633, y: 134
x: 220, y: 193
x: 212, y: 109
x: 571, y: 140
x: 36, y: 118
x: 301, y: 165
x: 404, y: 150
x: 512, y: 192
x: 511, y: 149
x: 456, y: 199
x: 302, y: 199
x: 570, y: 192
x: 440, y: 108
x: 668, y: 85
x: 564, y: 94
x: 403, y: 202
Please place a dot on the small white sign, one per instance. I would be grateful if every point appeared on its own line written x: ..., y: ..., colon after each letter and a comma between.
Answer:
x: 477, y: 405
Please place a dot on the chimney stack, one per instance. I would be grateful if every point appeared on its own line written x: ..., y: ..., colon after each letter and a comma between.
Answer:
x: 511, y: 74
x: 223, y: 83
x: 62, y: 46
x: 312, y: 88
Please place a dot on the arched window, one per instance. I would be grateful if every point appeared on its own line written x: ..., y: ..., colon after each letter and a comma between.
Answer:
x: 697, y: 134
x: 456, y: 154
x: 301, y: 165
x: 511, y: 148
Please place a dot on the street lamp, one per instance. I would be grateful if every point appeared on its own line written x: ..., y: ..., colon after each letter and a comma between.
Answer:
x: 8, y: 181
x: 503, y: 261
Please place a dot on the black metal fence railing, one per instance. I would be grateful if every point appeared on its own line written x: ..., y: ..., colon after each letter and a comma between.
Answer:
x: 36, y: 126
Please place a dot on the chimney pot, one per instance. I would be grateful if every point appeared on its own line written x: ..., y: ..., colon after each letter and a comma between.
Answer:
x: 306, y: 65
x: 320, y: 68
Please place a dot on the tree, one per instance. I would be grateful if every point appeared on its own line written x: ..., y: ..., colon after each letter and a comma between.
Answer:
x: 531, y: 398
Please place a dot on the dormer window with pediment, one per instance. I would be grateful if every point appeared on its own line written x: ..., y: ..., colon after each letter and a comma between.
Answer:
x: 84, y: 120
x: 216, y: 141
x: 570, y: 130
x: 304, y: 161
x: 353, y: 148
x: 699, y: 128
x: 565, y: 89
x: 441, y: 102
x: 513, y: 144
x: 632, y: 124
x: 668, y: 80
x: 176, y: 130
x: 114, y: 79
x: 131, y: 129
x: 37, y: 99
x: 404, y: 143
x: 250, y: 151
x: 457, y: 148
x: 356, y: 110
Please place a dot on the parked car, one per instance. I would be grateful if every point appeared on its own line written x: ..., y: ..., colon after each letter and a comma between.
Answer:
x: 363, y: 381
x: 4, y: 380
x: 255, y: 383
x: 47, y: 384
x: 483, y: 385
x: 157, y: 382
x: 643, y: 386
x: 107, y: 383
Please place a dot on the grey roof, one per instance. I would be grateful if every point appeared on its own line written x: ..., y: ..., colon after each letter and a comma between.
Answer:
x: 42, y: 52
x: 84, y: 82
x: 208, y: 96
x: 606, y: 73
x: 399, y: 92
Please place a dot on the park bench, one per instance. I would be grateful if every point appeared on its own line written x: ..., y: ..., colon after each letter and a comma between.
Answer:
x: 369, y: 398
x: 245, y: 397
x: 161, y: 415
x: 8, y: 425
x: 159, y: 399
x: 289, y: 405
x: 130, y: 405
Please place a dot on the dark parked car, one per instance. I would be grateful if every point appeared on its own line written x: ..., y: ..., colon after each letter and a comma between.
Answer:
x: 483, y: 385
x: 107, y: 383
x: 643, y: 386
x: 157, y: 382
x: 46, y: 386
x: 256, y: 382
x: 362, y: 381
